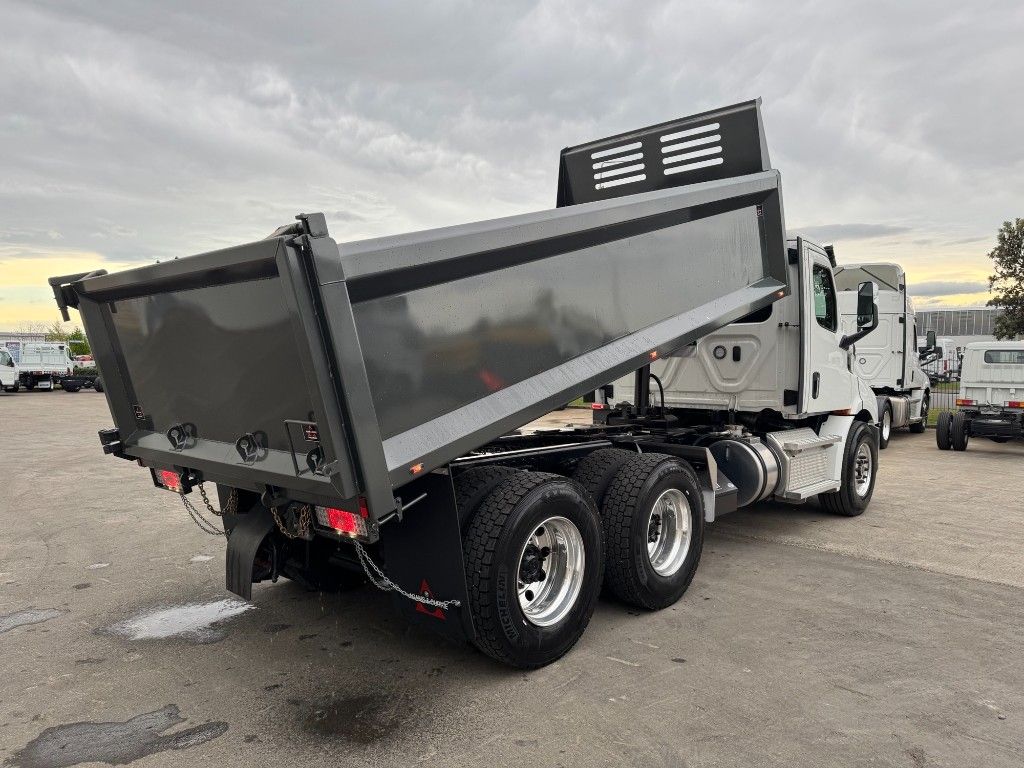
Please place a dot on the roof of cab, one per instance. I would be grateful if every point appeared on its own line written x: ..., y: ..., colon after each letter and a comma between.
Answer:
x: 995, y: 345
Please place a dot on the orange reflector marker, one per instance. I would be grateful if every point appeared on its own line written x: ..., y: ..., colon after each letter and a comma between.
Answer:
x: 964, y: 402
x: 416, y: 469
x: 654, y: 354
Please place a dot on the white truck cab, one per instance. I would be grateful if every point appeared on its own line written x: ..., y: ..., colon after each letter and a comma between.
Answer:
x: 781, y: 382
x: 888, y: 358
x: 8, y: 372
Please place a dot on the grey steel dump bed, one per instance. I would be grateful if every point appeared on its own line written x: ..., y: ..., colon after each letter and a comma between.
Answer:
x: 327, y: 371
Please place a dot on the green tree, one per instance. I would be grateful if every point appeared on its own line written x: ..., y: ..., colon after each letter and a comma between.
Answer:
x: 1007, y: 281
x: 75, y: 338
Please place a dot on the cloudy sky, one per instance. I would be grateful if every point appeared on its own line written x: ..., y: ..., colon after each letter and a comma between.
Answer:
x: 132, y: 131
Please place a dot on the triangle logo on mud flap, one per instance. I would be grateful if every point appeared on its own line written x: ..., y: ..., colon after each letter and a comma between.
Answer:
x: 437, y: 613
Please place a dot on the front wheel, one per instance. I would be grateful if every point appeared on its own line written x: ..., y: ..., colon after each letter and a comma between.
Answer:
x: 534, y: 559
x: 860, y: 467
x: 885, y: 426
x: 653, y: 515
x: 97, y: 385
x: 920, y: 426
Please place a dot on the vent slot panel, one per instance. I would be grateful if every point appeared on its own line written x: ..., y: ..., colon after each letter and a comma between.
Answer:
x: 720, y: 144
x: 613, y: 165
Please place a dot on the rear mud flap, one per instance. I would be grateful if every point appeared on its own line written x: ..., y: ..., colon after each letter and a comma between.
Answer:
x: 423, y: 555
x: 246, y: 536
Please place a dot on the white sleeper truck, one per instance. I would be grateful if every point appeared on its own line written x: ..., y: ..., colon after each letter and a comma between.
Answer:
x: 888, y: 358
x: 991, y: 399
x: 775, y: 395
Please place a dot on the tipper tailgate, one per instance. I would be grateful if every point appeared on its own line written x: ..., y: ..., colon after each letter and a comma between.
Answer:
x: 215, y: 363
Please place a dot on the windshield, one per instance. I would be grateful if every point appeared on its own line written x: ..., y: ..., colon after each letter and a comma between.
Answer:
x: 886, y: 276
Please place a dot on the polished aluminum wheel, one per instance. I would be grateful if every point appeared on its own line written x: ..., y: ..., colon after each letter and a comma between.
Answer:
x: 668, y: 532
x: 862, y: 470
x: 551, y: 571
x: 886, y: 425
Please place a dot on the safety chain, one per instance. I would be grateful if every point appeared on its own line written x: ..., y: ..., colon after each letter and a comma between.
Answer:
x: 205, y: 525
x: 382, y: 582
x: 302, y: 524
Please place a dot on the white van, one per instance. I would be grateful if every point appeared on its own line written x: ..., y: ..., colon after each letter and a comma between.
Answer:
x: 8, y: 372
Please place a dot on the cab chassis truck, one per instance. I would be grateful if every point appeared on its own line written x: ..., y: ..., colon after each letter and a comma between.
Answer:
x: 383, y: 439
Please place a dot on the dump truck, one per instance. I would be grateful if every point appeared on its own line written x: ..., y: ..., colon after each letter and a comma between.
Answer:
x: 385, y: 438
x: 990, y: 403
x: 889, y: 357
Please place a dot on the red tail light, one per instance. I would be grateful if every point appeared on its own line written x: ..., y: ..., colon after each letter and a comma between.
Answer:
x: 343, y: 521
x: 168, y: 479
x: 964, y: 401
x: 597, y: 406
x: 1015, y: 403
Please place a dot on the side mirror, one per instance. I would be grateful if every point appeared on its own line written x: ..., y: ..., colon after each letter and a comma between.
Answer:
x: 929, y: 339
x: 867, y: 314
x: 865, y: 305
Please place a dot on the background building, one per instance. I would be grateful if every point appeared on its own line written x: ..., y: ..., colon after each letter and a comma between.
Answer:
x: 963, y: 324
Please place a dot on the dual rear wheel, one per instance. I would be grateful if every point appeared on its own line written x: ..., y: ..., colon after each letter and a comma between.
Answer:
x: 538, y: 547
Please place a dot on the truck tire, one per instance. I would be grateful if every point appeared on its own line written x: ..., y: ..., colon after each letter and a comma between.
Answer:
x: 534, y: 560
x: 13, y: 389
x: 860, y: 465
x: 920, y: 426
x: 653, y: 518
x: 71, y: 387
x: 596, y: 471
x: 960, y: 434
x: 942, y: 430
x: 885, y: 425
x: 97, y: 385
x: 473, y: 485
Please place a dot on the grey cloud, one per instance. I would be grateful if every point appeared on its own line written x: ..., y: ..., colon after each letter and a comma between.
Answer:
x: 829, y: 232
x: 946, y: 288
x: 189, y: 129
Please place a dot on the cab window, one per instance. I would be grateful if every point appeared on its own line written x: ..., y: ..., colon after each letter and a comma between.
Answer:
x: 5, y: 359
x: 824, y: 298
x: 1005, y: 356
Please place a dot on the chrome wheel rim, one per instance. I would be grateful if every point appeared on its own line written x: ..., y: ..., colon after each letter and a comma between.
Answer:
x: 886, y: 425
x: 862, y: 469
x: 668, y: 532
x: 550, y: 575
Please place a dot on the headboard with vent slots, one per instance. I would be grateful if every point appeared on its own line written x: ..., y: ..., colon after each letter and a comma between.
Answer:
x: 720, y: 144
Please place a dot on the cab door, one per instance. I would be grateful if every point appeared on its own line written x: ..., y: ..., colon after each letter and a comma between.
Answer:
x: 825, y: 378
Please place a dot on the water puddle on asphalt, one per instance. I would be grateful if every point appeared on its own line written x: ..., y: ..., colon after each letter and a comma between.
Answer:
x: 9, y: 621
x: 114, y: 743
x: 195, y: 622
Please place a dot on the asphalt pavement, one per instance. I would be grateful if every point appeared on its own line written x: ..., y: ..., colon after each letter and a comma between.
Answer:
x: 892, y: 639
